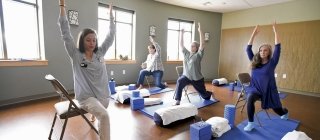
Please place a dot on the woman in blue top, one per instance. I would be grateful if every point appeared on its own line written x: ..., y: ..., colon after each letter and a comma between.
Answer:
x: 263, y: 84
x: 89, y: 69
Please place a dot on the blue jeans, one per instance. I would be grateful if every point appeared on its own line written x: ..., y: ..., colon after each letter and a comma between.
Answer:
x: 157, y: 76
x: 198, y: 85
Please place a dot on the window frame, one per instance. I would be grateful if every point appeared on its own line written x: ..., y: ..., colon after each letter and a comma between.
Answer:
x: 40, y: 56
x: 179, y: 36
x: 40, y: 61
x: 115, y: 9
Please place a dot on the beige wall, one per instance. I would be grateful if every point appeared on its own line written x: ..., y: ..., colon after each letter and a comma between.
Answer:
x: 295, y: 11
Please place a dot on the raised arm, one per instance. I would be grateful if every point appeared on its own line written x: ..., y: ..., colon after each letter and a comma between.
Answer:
x: 201, y: 47
x: 181, y: 39
x: 276, y: 37
x: 277, y: 50
x: 110, y: 36
x: 65, y: 30
x: 253, y: 35
x: 249, y: 46
x: 156, y: 45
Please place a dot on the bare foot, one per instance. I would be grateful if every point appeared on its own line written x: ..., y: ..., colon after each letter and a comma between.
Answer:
x: 140, y: 87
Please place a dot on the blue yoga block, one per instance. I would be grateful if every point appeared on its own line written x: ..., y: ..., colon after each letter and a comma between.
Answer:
x: 136, y: 103
x: 112, y: 87
x: 200, y: 131
x: 231, y: 86
x: 135, y: 93
x: 132, y: 86
x: 230, y: 113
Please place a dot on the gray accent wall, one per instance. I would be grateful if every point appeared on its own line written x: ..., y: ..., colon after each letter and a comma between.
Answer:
x: 20, y: 84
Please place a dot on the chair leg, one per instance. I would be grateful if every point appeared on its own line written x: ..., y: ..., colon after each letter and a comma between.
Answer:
x: 243, y: 106
x: 267, y: 114
x: 53, y: 123
x: 147, y: 79
x: 63, y: 128
x: 91, y: 125
x: 258, y: 119
x: 186, y: 93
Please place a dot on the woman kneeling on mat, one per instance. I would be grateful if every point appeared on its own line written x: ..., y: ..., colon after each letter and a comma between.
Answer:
x: 263, y: 84
x: 192, y: 68
x: 152, y: 66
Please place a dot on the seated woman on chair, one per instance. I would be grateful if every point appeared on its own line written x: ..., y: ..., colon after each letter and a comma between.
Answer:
x: 192, y: 69
x: 152, y: 66
x: 263, y: 84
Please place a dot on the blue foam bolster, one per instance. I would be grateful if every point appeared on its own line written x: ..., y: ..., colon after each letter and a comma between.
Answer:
x: 200, y: 131
x: 136, y: 103
x: 132, y: 87
x: 229, y: 114
x: 157, y: 119
x: 215, y: 82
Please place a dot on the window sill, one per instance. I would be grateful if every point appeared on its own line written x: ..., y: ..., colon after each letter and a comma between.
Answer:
x: 17, y: 63
x: 120, y: 61
x: 174, y: 62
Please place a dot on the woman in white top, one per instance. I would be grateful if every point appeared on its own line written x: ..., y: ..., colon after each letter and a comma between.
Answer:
x: 152, y: 66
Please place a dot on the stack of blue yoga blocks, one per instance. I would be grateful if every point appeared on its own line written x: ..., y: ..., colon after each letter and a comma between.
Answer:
x: 132, y: 87
x: 230, y: 113
x: 136, y: 103
x: 135, y: 93
x: 200, y: 131
x: 231, y: 86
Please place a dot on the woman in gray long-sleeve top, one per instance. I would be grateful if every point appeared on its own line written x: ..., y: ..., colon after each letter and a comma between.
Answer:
x: 89, y: 69
x: 192, y: 69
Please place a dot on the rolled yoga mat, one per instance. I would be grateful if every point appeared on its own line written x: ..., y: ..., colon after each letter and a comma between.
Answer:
x: 230, y: 113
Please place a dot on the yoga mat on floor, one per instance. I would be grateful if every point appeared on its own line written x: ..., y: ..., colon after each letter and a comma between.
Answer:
x: 194, y: 98
x: 238, y: 89
x: 157, y: 90
x: 273, y: 129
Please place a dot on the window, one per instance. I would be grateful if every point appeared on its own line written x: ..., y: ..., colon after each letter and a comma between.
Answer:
x: 123, y: 43
x: 173, y: 42
x: 20, y: 37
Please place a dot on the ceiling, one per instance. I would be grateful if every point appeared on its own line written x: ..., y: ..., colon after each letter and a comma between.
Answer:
x: 222, y: 6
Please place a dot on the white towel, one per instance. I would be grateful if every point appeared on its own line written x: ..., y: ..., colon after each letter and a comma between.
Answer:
x: 219, y: 125
x: 296, y: 135
x: 152, y: 101
x: 175, y: 113
x: 123, y: 94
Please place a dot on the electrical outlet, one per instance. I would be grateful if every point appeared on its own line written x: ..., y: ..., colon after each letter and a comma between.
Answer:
x: 284, y: 76
x: 123, y: 71
x: 275, y: 75
x: 111, y: 72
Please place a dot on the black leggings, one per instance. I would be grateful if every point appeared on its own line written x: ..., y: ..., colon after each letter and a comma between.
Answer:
x: 251, y: 99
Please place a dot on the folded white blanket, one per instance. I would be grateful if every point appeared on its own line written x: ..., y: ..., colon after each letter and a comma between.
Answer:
x: 152, y: 101
x: 296, y: 135
x: 123, y: 94
x: 219, y: 125
x: 175, y: 113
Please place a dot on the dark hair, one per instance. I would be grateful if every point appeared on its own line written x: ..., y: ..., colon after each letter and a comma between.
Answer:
x: 152, y: 47
x: 81, y: 37
x: 257, y: 60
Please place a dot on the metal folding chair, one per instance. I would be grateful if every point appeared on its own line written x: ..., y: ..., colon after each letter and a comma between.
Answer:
x: 244, y: 79
x: 66, y: 108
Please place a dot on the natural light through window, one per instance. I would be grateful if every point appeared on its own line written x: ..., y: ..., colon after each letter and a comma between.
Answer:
x: 174, y: 28
x: 20, y: 31
x: 123, y: 43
